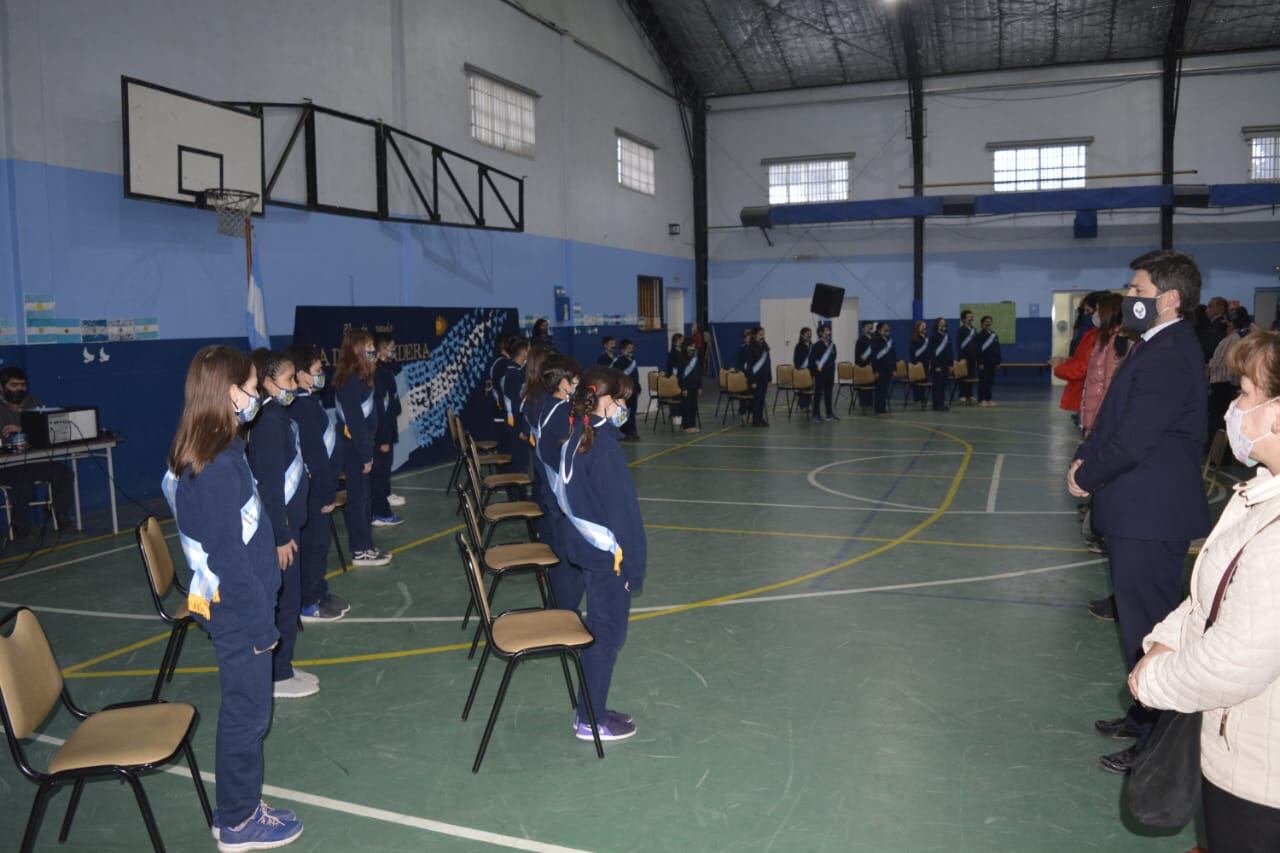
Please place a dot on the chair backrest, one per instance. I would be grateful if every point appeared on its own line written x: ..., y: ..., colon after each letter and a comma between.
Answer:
x: 900, y: 372
x: 450, y: 420
x: 654, y: 379
x: 737, y: 382
x: 723, y: 377
x: 916, y: 372
x: 802, y: 380
x: 30, y: 681
x: 475, y: 580
x: 668, y: 386
x: 471, y: 515
x: 1213, y: 460
x: 864, y: 374
x: 844, y: 371
x: 786, y: 374
x: 156, y: 559
x: 960, y: 369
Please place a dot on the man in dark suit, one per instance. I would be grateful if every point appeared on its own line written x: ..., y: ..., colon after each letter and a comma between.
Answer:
x: 1141, y: 464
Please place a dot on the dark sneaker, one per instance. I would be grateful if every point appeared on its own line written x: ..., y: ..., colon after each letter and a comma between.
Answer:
x: 1103, y: 608
x: 372, y: 557
x: 337, y: 603
x: 619, y: 716
x: 321, y: 611
x: 387, y: 520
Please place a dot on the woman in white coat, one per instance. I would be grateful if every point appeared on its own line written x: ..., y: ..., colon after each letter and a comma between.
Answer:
x: 1232, y: 672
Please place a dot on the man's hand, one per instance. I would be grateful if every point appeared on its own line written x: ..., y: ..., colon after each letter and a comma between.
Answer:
x: 368, y: 466
x: 285, y: 554
x: 1072, y: 487
x: 385, y: 448
x: 10, y: 429
x: 328, y: 508
x: 1156, y: 649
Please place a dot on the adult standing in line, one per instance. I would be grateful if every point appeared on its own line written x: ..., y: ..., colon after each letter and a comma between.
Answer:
x: 1141, y: 464
x: 1075, y: 367
x: 823, y: 360
x: 941, y: 358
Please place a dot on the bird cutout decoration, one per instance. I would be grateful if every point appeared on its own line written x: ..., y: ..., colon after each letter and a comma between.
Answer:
x: 102, y: 355
x: 88, y: 356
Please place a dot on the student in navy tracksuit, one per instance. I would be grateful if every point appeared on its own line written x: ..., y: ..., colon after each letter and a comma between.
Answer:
x: 497, y: 372
x: 319, y: 440
x: 967, y: 351
x: 675, y: 354
x: 800, y: 360
x: 358, y: 416
x: 885, y: 362
x: 275, y: 456
x: 547, y: 415
x: 988, y: 354
x: 608, y: 351
x: 228, y: 544
x: 626, y: 362
x: 604, y: 536
x: 862, y: 358
x: 689, y: 375
x: 823, y: 357
x: 941, y: 358
x: 512, y: 387
x: 387, y: 400
x: 920, y: 353
x: 759, y: 372
x: 740, y: 363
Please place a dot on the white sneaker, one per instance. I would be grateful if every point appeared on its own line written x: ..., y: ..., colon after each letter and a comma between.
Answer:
x: 395, y: 500
x: 295, y: 688
x: 306, y: 676
x: 372, y: 557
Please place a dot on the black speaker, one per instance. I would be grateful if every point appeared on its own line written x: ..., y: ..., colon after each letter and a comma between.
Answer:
x: 827, y: 300
x: 756, y: 217
x: 1190, y: 195
x: 957, y: 205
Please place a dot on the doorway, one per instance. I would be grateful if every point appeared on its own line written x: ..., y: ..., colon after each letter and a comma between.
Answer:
x: 675, y: 311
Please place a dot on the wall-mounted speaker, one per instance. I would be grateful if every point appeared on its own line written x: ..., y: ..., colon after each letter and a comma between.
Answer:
x: 1190, y: 195
x: 957, y: 205
x: 756, y: 217
x: 827, y: 300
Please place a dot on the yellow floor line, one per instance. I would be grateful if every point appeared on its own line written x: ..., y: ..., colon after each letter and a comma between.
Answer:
x: 673, y: 448
x: 400, y: 549
x: 141, y: 644
x: 101, y: 537
x: 998, y: 546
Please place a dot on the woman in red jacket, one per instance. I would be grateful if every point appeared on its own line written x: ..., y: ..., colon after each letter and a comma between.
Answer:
x: 1075, y: 368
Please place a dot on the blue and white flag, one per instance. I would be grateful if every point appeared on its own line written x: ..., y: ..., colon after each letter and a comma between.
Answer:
x: 255, y: 313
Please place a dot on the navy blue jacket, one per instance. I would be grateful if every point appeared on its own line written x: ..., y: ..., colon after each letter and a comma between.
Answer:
x: 920, y: 351
x: 673, y: 361
x: 630, y: 367
x: 319, y: 440
x: 989, y: 353
x: 940, y: 352
x: 512, y: 387
x: 606, y: 359
x: 1141, y: 462
x: 497, y: 370
x: 967, y: 342
x: 688, y: 371
x: 862, y: 350
x: 816, y: 354
x: 357, y: 410
x: 883, y: 357
x: 548, y: 418
x: 800, y: 358
x: 275, y: 456
x: 759, y: 368
x: 387, y: 399
x: 740, y: 361
x: 221, y: 511
x: 601, y: 490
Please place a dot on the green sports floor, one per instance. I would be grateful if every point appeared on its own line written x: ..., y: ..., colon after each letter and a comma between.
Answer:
x: 861, y: 636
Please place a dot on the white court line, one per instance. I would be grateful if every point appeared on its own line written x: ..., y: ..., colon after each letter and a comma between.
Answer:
x: 859, y: 508
x: 995, y: 483
x: 813, y: 481
x: 484, y: 836
x: 72, y: 562
x: 415, y: 472
x: 64, y: 611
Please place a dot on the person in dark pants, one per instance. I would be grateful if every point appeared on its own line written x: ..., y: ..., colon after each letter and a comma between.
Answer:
x: 801, y: 360
x: 275, y: 457
x: 967, y: 351
x: 759, y: 372
x: 940, y: 360
x: 626, y: 362
x: 319, y: 441
x: 512, y: 393
x: 14, y: 400
x: 823, y: 358
x: 228, y: 544
x: 604, y: 536
x: 497, y: 373
x: 608, y: 351
x: 675, y: 354
x: 988, y: 353
x: 884, y: 359
x: 741, y: 363
x: 387, y: 400
x: 358, y: 415
x: 1141, y: 464
x: 689, y: 375
x: 862, y: 358
x: 919, y: 353
x: 549, y: 425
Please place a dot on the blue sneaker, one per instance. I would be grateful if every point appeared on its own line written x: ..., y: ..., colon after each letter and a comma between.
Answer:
x: 610, y: 730
x: 263, y: 830
x: 387, y: 520
x: 817, y: 419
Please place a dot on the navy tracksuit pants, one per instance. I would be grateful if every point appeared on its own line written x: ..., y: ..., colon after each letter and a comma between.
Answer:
x: 380, y: 481
x: 287, y: 607
x: 608, y: 604
x: 359, y: 502
x: 313, y: 554
x: 243, y: 719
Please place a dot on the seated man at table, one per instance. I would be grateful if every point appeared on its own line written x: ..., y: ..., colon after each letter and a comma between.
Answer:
x: 20, y: 480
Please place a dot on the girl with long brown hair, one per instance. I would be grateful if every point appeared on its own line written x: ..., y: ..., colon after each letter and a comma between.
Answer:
x: 604, y: 538
x: 228, y: 544
x: 358, y: 416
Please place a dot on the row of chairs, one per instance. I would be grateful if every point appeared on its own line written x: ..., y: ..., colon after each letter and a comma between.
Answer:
x: 796, y: 385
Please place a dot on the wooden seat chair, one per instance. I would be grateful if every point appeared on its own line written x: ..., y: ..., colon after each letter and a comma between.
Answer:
x: 158, y: 565
x: 864, y: 380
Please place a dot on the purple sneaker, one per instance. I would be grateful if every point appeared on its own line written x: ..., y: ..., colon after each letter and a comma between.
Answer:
x: 611, y: 730
x: 619, y: 716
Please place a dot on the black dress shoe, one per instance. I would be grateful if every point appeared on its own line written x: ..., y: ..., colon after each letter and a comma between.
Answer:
x: 1119, y: 763
x: 1120, y: 727
x: 1103, y: 608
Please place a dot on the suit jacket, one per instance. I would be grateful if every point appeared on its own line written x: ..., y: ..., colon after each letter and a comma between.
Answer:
x: 1142, y: 459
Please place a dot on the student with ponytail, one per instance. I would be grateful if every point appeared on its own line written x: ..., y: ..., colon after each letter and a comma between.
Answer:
x: 689, y: 375
x: 603, y: 535
x: 358, y: 418
x: 548, y: 421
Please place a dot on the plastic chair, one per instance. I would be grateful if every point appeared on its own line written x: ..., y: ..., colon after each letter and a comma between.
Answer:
x: 802, y: 384
x: 844, y: 382
x: 960, y: 376
x: 495, y: 513
x: 784, y: 383
x: 736, y: 390
x: 864, y: 380
x: 670, y: 398
x: 158, y: 563
x: 917, y: 378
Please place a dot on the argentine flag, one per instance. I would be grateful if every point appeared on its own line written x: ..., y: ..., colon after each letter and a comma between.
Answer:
x: 255, y: 314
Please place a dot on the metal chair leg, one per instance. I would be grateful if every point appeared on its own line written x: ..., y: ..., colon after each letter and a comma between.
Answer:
x: 195, y: 774
x: 493, y: 715
x: 164, y: 664
x: 337, y: 543
x: 148, y: 817
x: 36, y: 816
x: 586, y: 698
x: 71, y: 810
x: 466, y: 617
x: 475, y: 682
x: 573, y: 694
x: 173, y: 661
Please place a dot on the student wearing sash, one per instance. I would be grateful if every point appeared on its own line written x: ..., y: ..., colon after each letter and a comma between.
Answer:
x: 275, y: 457
x: 604, y: 536
x: 862, y: 358
x: 319, y: 440
x: 988, y: 353
x: 387, y: 399
x: 884, y: 359
x: 497, y: 373
x: 549, y: 426
x: 940, y: 360
x: 358, y: 416
x: 228, y: 544
x: 801, y: 361
x: 675, y: 354
x: 626, y: 362
x: 608, y: 351
x: 823, y: 359
x: 512, y: 391
x: 967, y: 351
x: 742, y: 363
x: 759, y: 372
x: 689, y: 374
x: 920, y: 353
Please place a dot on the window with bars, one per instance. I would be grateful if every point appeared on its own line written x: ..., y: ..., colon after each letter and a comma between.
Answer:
x: 810, y: 180
x: 1038, y: 167
x: 635, y: 165
x: 1264, y: 158
x: 502, y: 114
x: 649, y: 302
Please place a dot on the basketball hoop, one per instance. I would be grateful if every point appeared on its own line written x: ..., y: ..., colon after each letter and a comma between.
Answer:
x: 233, y: 208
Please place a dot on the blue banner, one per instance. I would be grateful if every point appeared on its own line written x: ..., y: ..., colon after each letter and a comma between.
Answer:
x: 444, y: 355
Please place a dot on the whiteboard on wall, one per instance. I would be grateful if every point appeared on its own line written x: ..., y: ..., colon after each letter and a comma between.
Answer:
x: 1003, y: 318
x: 178, y: 144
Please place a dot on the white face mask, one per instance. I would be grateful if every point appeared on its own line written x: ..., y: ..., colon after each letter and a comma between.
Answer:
x: 1096, y: 318
x: 1241, y: 445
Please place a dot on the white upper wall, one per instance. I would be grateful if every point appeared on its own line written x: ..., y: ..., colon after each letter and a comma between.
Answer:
x: 398, y: 60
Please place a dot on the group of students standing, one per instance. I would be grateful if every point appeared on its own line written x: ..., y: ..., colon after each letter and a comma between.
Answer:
x: 252, y: 480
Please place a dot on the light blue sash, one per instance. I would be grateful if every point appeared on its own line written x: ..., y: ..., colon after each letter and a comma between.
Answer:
x: 988, y: 342
x: 597, y: 535
x: 822, y: 362
x: 942, y: 344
